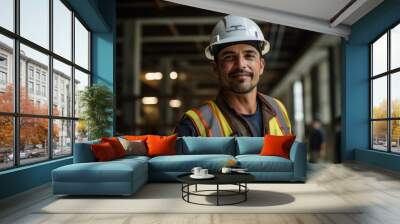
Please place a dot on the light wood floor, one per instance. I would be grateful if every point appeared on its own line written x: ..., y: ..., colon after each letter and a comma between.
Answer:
x: 377, y: 188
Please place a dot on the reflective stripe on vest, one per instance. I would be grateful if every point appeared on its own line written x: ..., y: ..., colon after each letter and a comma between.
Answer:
x: 281, y: 117
x: 210, y: 121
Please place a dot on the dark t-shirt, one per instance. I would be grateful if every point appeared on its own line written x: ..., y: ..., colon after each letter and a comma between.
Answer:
x: 316, y: 139
x: 187, y: 128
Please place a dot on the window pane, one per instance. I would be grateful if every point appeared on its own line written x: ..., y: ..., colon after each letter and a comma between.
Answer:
x: 7, y: 14
x: 395, y: 95
x: 379, y: 135
x: 81, y: 131
x: 379, y: 55
x: 62, y: 89
x: 35, y: 21
x: 379, y: 97
x: 81, y: 81
x: 395, y: 47
x: 81, y: 45
x: 33, y: 139
x: 6, y: 74
x: 62, y: 29
x: 34, y: 97
x: 395, y: 138
x: 62, y: 138
x: 6, y: 142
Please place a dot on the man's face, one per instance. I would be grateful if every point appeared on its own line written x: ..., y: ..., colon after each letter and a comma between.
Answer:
x: 239, y: 68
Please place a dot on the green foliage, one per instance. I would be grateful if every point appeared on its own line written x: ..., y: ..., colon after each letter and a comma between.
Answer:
x: 96, y: 102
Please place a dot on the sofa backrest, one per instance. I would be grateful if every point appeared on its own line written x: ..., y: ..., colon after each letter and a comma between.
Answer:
x: 83, y: 153
x: 249, y: 145
x: 206, y: 145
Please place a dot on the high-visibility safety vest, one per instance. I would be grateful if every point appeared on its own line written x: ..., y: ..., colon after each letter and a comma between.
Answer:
x: 211, y: 121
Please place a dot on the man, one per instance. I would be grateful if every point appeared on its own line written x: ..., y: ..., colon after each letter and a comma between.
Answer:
x: 317, y: 142
x: 237, y: 48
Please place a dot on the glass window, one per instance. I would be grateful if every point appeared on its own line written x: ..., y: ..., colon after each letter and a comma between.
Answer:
x: 3, y: 61
x: 34, y: 79
x: 30, y: 86
x: 62, y: 137
x: 6, y: 142
x: 385, y: 94
x: 62, y: 72
x: 395, y: 136
x: 379, y: 56
x: 7, y: 86
x: 81, y: 131
x: 40, y: 62
x: 62, y: 29
x: 30, y: 71
x: 379, y: 98
x: 81, y: 45
x: 34, y: 21
x: 379, y: 133
x: 33, y: 140
x: 81, y: 81
x: 7, y: 14
x: 395, y: 47
x: 395, y: 95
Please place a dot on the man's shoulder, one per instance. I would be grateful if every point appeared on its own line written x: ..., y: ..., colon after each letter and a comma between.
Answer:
x: 269, y: 99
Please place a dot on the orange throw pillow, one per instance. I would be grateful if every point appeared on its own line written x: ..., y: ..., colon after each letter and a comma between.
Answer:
x: 277, y: 145
x: 103, y: 151
x: 116, y: 145
x: 161, y: 145
x: 135, y: 137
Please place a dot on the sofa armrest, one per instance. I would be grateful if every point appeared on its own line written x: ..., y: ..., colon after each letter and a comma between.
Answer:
x: 298, y: 155
x: 83, y: 152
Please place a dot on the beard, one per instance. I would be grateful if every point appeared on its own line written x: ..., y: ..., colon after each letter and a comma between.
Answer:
x: 233, y: 84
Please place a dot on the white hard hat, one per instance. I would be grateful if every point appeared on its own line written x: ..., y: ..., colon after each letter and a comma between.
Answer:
x: 232, y: 29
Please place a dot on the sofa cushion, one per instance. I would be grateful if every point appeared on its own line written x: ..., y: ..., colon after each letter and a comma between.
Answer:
x: 249, y: 145
x: 103, y: 151
x: 112, y: 171
x: 185, y: 163
x: 161, y: 145
x: 277, y: 145
x: 206, y: 145
x: 257, y: 163
x: 116, y: 145
x: 134, y: 147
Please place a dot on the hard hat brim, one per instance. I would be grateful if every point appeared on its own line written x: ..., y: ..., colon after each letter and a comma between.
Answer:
x: 210, y: 56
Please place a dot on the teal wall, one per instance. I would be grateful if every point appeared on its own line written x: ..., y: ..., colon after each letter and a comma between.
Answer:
x: 103, y: 51
x: 100, y: 16
x: 356, y: 85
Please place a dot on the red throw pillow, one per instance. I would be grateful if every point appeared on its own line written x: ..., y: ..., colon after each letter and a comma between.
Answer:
x: 116, y: 145
x: 103, y: 151
x: 161, y: 145
x: 135, y: 137
x: 277, y: 145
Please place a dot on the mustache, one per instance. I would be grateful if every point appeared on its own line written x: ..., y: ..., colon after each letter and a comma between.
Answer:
x: 240, y: 72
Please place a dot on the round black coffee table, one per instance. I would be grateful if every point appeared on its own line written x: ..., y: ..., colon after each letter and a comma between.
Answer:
x: 238, y: 179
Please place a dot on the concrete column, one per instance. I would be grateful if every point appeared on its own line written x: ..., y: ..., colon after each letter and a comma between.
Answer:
x: 136, y: 68
x: 125, y: 118
x: 166, y: 114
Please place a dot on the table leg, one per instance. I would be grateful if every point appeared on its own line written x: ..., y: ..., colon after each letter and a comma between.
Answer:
x: 245, y: 191
x: 217, y: 194
x: 196, y: 188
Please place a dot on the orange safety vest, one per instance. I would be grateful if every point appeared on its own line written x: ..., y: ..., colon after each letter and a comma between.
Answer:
x: 209, y: 120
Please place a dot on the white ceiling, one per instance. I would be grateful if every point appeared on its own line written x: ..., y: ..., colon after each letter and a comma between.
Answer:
x: 320, y: 9
x: 314, y: 15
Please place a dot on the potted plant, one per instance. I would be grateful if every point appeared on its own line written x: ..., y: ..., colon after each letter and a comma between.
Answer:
x: 96, y: 103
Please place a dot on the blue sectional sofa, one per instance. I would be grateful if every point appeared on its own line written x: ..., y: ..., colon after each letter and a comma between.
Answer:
x: 125, y: 176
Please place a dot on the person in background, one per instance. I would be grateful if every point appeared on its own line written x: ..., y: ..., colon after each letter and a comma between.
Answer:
x: 317, y: 142
x: 236, y: 50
